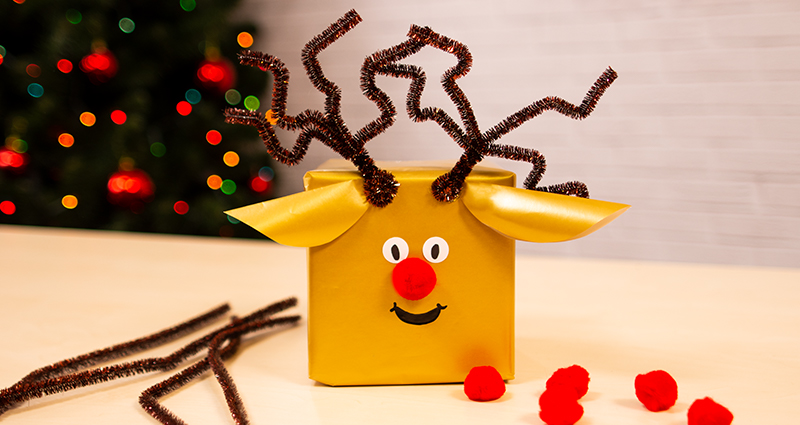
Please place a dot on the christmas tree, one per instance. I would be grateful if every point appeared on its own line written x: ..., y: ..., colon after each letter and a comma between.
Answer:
x: 111, y: 115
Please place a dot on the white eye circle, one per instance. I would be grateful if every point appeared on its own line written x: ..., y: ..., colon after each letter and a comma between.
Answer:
x: 435, y: 249
x: 395, y: 250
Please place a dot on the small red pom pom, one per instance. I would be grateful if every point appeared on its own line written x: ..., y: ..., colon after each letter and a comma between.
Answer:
x: 706, y: 411
x: 574, y: 377
x: 484, y: 383
x: 558, y: 406
x: 657, y: 390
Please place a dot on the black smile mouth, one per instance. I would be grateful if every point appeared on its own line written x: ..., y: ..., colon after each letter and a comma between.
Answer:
x: 418, y: 319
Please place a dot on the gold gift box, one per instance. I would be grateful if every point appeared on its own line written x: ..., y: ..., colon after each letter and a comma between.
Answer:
x: 364, y: 329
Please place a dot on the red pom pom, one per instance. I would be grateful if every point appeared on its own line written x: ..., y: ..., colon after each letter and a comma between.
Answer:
x: 558, y: 406
x: 706, y: 411
x: 484, y: 383
x: 657, y: 390
x: 574, y: 377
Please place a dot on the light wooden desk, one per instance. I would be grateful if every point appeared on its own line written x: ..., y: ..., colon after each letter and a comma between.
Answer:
x: 726, y: 332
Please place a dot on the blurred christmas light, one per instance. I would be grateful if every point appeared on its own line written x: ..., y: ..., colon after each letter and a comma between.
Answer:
x: 35, y: 90
x: 19, y: 1
x: 64, y: 66
x: 216, y: 73
x: 66, y: 140
x: 8, y: 207
x: 74, y: 17
x: 158, y: 149
x: 231, y: 159
x: 245, y: 39
x: 193, y: 96
x: 127, y: 25
x: 252, y: 103
x: 118, y: 117
x: 259, y: 185
x: 188, y: 5
x: 88, y: 119
x: 184, y: 108
x: 233, y: 97
x: 181, y: 207
x: 12, y: 159
x: 69, y: 202
x: 228, y: 187
x: 214, y: 181
x: 1, y: 58
x: 128, y: 188
x: 266, y: 173
x: 233, y: 220
x: 33, y: 70
x: 19, y: 146
x: 213, y: 137
x: 2, y: 50
x: 100, y: 66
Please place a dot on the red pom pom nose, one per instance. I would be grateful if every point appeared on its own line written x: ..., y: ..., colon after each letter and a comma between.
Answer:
x: 413, y: 278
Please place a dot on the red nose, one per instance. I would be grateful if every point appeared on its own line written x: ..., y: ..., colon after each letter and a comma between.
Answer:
x: 413, y: 278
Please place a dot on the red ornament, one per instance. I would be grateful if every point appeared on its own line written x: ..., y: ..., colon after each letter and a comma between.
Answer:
x: 130, y: 188
x: 13, y: 160
x: 574, y: 377
x: 217, y: 75
x: 706, y: 411
x: 558, y: 406
x: 484, y: 383
x: 99, y: 66
x: 657, y: 390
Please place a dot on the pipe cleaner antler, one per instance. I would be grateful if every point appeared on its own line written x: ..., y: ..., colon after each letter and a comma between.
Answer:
x: 380, y: 186
x: 476, y: 145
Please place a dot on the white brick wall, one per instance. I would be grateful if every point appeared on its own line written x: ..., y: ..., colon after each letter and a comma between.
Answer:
x: 701, y: 132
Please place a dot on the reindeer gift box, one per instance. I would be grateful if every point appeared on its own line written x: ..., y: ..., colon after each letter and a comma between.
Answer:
x: 411, y: 265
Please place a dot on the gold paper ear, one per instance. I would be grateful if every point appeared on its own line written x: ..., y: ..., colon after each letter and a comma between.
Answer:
x: 535, y: 216
x: 309, y: 218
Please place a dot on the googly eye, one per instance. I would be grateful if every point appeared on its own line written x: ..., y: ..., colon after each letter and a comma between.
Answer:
x: 395, y: 250
x: 435, y: 249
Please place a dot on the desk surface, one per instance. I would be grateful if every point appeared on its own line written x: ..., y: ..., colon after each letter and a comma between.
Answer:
x: 730, y: 333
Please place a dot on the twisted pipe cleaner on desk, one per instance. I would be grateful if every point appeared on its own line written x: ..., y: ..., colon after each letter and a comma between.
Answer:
x: 222, y: 343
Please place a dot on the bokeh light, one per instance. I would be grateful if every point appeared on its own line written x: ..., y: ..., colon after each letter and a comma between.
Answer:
x: 33, y: 70
x: 19, y: 1
x: 127, y: 25
x: 88, y: 119
x: 214, y: 181
x: 184, y: 108
x: 181, y: 207
x: 66, y: 140
x: 119, y: 117
x: 158, y: 149
x: 233, y: 97
x: 19, y: 146
x: 245, y: 39
x: 8, y: 207
x: 228, y: 187
x: 233, y: 220
x: 1, y: 58
x: 231, y: 158
x: 252, y: 103
x: 69, y: 202
x: 74, y: 17
x: 2, y: 50
x: 11, y: 159
x: 213, y: 137
x: 266, y: 173
x: 64, y: 66
x: 35, y: 90
x: 188, y: 5
x: 259, y: 185
x: 193, y: 96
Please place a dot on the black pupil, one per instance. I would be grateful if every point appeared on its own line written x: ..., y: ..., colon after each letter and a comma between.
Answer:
x: 395, y: 252
x: 435, y: 251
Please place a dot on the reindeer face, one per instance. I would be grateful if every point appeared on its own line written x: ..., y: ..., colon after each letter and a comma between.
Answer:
x: 419, y: 291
